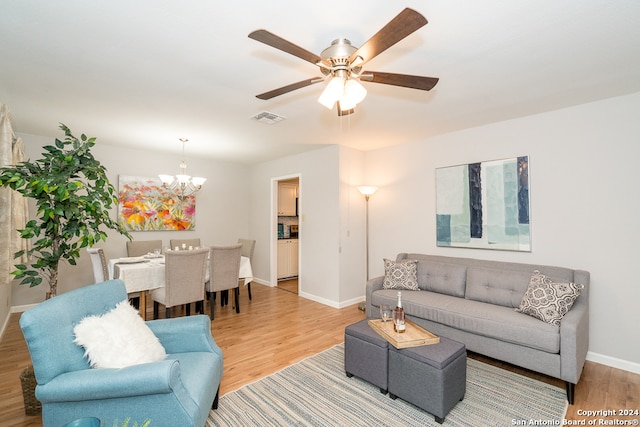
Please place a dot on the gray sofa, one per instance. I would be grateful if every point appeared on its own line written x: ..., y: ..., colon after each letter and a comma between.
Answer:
x: 473, y: 301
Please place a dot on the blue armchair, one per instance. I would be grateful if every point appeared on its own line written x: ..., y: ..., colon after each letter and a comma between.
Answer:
x: 177, y: 391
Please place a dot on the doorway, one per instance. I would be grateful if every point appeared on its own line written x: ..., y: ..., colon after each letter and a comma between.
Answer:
x: 286, y: 235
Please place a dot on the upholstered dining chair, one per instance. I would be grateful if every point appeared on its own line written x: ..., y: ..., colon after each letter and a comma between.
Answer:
x: 224, y: 274
x: 177, y: 243
x: 143, y: 247
x: 185, y: 274
x: 248, y: 247
x: 99, y: 263
x: 177, y: 391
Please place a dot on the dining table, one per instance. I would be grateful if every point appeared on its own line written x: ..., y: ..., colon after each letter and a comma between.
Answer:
x: 145, y: 273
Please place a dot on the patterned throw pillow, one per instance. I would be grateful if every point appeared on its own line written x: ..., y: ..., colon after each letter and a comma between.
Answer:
x: 401, y: 275
x: 548, y: 301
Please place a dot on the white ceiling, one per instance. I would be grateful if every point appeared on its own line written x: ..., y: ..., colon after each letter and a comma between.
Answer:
x: 144, y: 73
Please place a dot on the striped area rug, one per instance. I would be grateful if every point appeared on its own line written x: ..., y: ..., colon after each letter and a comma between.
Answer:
x: 316, y: 392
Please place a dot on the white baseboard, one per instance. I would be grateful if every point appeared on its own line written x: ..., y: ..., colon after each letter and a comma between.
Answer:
x: 12, y: 310
x: 330, y: 303
x: 4, y: 326
x: 262, y: 282
x: 22, y: 308
x: 614, y: 362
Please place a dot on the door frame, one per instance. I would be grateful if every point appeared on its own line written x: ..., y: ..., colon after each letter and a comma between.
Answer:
x: 274, y: 228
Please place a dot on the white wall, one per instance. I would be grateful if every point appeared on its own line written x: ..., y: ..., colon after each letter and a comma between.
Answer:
x: 221, y: 216
x: 584, y: 205
x: 352, y: 228
x: 319, y: 219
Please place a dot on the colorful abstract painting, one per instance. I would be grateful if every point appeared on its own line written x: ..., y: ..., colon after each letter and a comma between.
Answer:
x: 145, y: 205
x: 484, y: 205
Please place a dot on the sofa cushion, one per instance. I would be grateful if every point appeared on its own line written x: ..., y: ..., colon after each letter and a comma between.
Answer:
x: 480, y: 318
x: 548, y: 301
x: 501, y: 287
x: 400, y: 275
x: 441, y: 277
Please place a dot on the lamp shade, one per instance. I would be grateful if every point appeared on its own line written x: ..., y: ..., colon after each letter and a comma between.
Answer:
x: 367, y: 190
x: 353, y: 94
x: 332, y: 93
x: 198, y: 181
x: 166, y: 179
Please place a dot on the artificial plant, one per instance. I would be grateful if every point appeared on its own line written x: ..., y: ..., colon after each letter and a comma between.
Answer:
x: 73, y: 197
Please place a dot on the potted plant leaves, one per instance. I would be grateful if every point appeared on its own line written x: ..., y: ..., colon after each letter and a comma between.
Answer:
x: 73, y: 197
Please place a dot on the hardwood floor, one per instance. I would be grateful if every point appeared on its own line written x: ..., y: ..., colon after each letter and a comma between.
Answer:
x: 290, y: 285
x: 276, y: 329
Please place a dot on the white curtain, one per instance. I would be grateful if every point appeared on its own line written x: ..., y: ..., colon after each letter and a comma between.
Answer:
x: 14, y: 211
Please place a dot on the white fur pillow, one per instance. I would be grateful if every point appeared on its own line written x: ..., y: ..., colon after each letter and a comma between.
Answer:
x: 118, y: 338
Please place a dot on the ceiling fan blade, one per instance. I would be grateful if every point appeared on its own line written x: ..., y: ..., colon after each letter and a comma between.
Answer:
x: 278, y: 42
x: 288, y: 88
x: 404, y: 80
x: 405, y: 23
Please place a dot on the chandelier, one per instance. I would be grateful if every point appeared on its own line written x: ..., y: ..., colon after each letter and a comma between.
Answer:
x: 182, y: 184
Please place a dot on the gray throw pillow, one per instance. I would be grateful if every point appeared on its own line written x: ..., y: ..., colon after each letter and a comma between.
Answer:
x: 548, y: 301
x: 400, y: 275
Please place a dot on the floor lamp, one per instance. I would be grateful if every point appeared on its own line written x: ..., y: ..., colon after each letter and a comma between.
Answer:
x: 366, y: 191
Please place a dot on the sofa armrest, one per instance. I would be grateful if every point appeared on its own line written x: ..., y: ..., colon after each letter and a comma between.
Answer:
x: 373, y: 284
x: 574, y: 339
x: 185, y: 334
x: 106, y: 383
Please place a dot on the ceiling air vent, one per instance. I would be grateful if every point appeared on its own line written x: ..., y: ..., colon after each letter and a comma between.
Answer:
x: 267, y: 118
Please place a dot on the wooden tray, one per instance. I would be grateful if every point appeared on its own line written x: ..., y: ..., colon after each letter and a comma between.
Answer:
x: 413, y: 336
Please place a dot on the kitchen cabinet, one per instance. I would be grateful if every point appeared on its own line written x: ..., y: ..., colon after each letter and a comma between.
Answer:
x: 287, y: 193
x: 287, y: 258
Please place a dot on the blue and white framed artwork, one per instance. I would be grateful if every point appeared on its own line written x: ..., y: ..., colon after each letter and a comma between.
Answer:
x: 484, y: 205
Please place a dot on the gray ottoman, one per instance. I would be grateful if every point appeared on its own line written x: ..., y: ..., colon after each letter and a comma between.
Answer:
x: 366, y: 354
x: 432, y: 377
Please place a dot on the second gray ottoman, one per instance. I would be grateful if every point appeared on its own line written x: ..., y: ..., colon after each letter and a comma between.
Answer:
x: 366, y: 355
x: 432, y: 377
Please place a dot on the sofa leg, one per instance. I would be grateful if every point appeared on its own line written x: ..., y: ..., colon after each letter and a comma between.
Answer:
x: 214, y: 405
x: 571, y: 389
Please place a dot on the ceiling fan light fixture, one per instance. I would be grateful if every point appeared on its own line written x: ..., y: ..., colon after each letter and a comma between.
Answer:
x: 332, y: 93
x: 354, y: 93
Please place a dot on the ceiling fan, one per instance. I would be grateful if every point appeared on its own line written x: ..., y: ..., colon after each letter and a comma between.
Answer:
x: 341, y: 63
